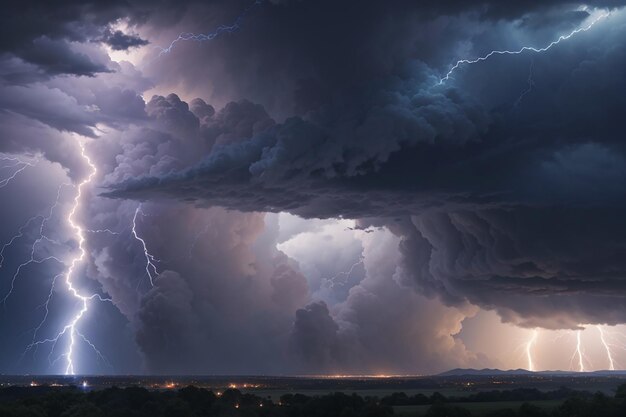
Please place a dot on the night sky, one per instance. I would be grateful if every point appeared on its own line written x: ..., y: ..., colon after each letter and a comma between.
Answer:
x: 302, y: 186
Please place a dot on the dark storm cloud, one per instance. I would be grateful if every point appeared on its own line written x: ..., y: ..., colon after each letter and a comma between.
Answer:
x: 43, y: 31
x: 304, y: 165
x: 119, y: 41
x: 375, y: 123
x: 558, y: 267
x: 56, y: 57
x: 37, y: 117
x: 234, y: 296
x: 335, y: 114
x: 40, y: 32
x: 374, y: 137
x: 315, y: 335
x: 229, y: 296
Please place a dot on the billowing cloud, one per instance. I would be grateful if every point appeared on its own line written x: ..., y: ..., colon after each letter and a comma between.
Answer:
x: 474, y: 193
x: 536, y: 267
x: 539, y: 172
x: 364, y: 334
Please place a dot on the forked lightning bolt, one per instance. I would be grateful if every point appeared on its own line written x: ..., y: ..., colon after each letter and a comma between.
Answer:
x: 221, y: 30
x: 579, y: 353
x: 42, y: 237
x: 522, y: 49
x: 18, y: 235
x: 607, y: 347
x: 46, y: 306
x: 19, y: 165
x: 151, y: 269
x: 70, y: 329
x: 332, y: 281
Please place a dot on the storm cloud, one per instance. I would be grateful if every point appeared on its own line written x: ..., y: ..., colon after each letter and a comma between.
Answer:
x: 499, y: 189
x: 388, y: 142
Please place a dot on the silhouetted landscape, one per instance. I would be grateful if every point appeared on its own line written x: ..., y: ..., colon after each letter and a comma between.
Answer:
x: 455, y: 393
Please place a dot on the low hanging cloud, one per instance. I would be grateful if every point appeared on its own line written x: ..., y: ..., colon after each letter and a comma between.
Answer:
x: 536, y: 267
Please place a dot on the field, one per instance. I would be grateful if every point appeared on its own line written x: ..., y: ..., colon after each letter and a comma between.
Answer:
x: 477, y: 409
x: 275, y: 394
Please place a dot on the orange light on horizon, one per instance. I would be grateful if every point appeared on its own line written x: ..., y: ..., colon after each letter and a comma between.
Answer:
x: 370, y: 376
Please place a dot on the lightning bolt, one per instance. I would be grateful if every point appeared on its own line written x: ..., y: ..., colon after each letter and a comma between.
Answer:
x: 151, y: 269
x: 33, y: 249
x: 109, y: 231
x: 579, y: 352
x: 18, y: 235
x: 45, y: 305
x: 331, y: 282
x: 529, y: 349
x: 607, y: 347
x: 70, y: 329
x: 522, y: 49
x: 222, y: 29
x: 18, y: 163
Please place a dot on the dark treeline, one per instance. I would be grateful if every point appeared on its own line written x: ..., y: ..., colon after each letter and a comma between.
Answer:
x: 196, y: 402
x: 190, y: 401
x: 518, y: 394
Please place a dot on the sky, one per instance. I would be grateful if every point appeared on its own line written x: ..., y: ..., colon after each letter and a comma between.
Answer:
x: 307, y: 187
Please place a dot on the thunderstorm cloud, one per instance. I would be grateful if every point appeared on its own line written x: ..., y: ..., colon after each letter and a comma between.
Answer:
x: 313, y: 198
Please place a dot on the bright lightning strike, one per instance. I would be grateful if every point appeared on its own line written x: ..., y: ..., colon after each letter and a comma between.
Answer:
x: 222, y: 29
x: 607, y: 347
x: 579, y: 353
x: 529, y: 349
x: 70, y: 329
x: 151, y: 269
x: 68, y: 277
x: 522, y: 49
